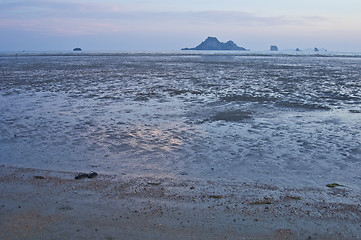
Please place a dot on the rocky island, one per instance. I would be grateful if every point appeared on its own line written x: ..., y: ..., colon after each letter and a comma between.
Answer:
x: 212, y: 43
x: 274, y: 48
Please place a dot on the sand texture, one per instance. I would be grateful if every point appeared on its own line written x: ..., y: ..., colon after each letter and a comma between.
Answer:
x: 39, y: 204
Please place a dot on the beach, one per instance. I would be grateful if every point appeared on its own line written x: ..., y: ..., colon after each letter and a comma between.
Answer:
x: 189, y: 120
x: 185, y: 146
x: 42, y: 204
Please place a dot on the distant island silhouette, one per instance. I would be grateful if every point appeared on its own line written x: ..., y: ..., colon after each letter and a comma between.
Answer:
x: 212, y: 43
x: 274, y: 48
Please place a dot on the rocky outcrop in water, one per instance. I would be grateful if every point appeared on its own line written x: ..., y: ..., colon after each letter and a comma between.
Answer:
x: 212, y: 43
x: 274, y: 48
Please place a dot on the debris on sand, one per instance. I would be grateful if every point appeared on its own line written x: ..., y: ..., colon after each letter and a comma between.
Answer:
x: 86, y: 175
x: 39, y: 177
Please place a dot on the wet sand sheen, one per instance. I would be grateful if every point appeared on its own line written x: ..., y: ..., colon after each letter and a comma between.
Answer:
x: 40, y: 204
x: 280, y: 120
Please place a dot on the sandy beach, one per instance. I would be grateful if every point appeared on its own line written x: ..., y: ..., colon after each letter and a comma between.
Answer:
x: 40, y: 204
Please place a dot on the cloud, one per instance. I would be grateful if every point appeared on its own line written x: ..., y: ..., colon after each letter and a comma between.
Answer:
x: 41, y: 9
x: 250, y: 19
x: 137, y: 21
x: 81, y: 18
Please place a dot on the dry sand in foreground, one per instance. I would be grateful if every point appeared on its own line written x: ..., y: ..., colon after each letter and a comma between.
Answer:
x: 39, y: 204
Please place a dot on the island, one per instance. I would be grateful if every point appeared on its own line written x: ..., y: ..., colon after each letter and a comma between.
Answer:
x: 212, y: 43
x: 274, y: 48
x: 77, y: 49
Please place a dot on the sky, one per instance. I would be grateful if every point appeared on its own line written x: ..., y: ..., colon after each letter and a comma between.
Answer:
x: 156, y: 25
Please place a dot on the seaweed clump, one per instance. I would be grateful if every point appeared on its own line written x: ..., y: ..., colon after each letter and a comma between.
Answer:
x: 332, y: 185
x: 266, y: 201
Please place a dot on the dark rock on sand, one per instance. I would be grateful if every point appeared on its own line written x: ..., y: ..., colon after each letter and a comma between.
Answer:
x: 92, y: 175
x: 86, y: 175
x: 39, y: 177
x: 81, y: 176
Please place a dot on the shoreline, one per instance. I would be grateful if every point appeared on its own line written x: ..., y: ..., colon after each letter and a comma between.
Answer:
x: 247, y: 53
x: 45, y: 204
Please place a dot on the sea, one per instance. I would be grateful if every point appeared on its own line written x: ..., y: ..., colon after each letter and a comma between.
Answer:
x: 281, y: 119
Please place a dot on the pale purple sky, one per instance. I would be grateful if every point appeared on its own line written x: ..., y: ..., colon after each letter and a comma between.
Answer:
x: 133, y: 25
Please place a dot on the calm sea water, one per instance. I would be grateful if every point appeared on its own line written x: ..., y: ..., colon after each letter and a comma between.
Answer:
x: 269, y: 119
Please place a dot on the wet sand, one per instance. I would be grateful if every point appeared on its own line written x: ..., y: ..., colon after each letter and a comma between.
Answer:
x: 40, y: 204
